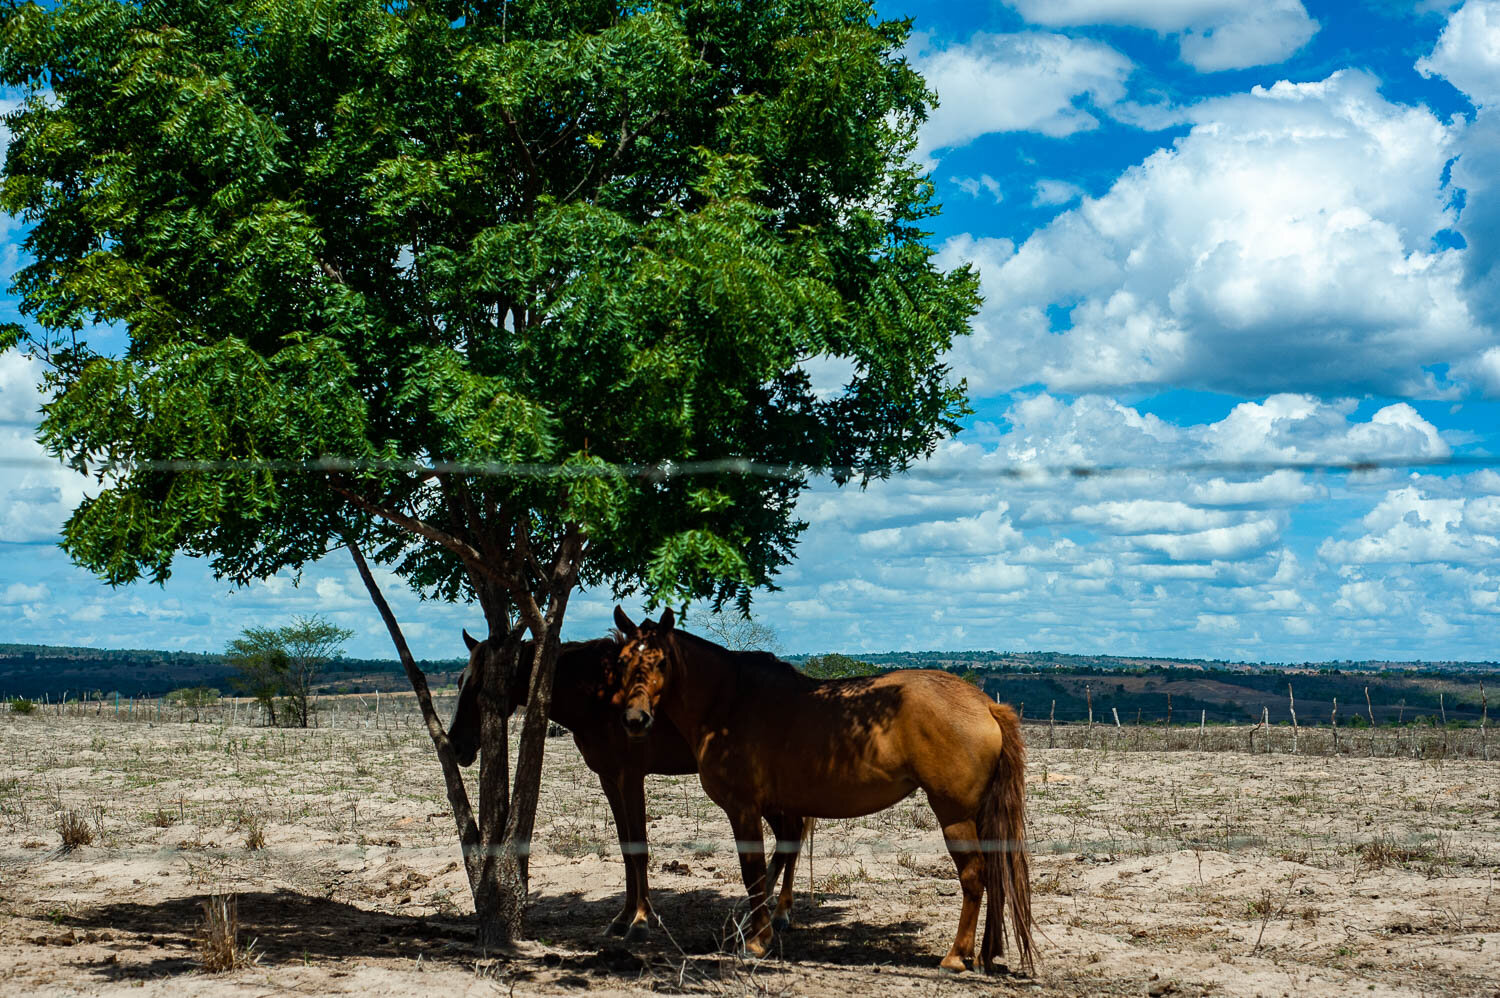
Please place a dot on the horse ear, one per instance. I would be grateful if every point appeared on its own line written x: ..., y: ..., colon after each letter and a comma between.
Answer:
x: 667, y: 620
x: 623, y: 622
x: 469, y: 640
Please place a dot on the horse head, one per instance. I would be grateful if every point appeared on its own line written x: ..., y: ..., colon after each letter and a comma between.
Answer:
x: 463, y: 731
x: 643, y: 668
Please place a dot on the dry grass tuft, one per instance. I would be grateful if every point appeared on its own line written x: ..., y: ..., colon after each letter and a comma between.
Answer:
x: 219, y: 939
x: 1384, y: 851
x: 255, y: 832
x: 74, y: 829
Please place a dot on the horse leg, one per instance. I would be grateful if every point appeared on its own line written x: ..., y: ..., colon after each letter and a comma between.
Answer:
x: 633, y: 800
x: 962, y: 837
x: 751, y: 846
x: 614, y: 793
x: 784, y: 865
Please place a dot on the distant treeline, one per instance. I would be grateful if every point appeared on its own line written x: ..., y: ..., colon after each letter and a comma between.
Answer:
x: 1030, y: 661
x: 33, y: 671
x: 1136, y: 688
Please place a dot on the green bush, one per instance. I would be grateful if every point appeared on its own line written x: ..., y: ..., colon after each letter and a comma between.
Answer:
x: 21, y: 705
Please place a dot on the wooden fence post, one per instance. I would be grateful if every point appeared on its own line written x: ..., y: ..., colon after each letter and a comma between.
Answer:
x: 1052, y: 725
x: 1484, y: 717
x: 1291, y: 705
x: 1334, y: 720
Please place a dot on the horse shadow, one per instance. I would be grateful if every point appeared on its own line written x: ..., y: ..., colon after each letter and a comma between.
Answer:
x: 699, y: 925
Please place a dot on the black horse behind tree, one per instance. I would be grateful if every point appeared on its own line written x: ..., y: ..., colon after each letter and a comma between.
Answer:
x: 581, y: 691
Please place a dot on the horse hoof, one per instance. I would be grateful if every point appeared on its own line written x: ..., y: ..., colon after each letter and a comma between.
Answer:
x: 639, y: 932
x: 953, y: 965
x: 781, y: 923
x: 615, y: 928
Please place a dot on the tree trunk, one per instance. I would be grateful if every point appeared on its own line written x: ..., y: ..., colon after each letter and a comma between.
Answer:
x: 496, y: 847
x: 506, y: 818
x: 499, y: 891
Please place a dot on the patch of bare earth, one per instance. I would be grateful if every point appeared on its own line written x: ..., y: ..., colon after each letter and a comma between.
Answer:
x: 1155, y: 872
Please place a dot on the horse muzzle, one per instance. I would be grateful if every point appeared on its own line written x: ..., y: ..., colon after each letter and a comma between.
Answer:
x: 637, y: 721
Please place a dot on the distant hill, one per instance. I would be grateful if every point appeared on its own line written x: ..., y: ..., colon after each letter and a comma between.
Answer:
x: 1031, y: 660
x: 34, y: 670
x: 1049, y: 684
x: 1045, y: 682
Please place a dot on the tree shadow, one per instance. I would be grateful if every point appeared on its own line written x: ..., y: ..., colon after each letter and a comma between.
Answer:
x: 694, y: 938
x: 286, y: 926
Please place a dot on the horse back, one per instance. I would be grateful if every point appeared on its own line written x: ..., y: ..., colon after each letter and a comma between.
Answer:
x: 849, y: 747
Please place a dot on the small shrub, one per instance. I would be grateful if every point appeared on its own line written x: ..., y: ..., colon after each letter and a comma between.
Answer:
x: 74, y: 829
x: 161, y: 818
x: 21, y: 705
x: 1385, y: 851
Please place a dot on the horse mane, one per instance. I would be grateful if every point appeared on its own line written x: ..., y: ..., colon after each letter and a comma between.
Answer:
x: 573, y: 658
x: 761, y: 663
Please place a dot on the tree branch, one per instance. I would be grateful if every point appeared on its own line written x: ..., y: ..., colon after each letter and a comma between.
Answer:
x: 471, y: 556
x: 626, y: 138
x: 458, y: 797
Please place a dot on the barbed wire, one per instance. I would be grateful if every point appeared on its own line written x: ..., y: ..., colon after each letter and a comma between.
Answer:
x: 662, y: 470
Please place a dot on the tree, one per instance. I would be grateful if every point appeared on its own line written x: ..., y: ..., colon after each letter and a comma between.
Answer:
x: 262, y: 667
x: 836, y: 666
x: 740, y: 632
x: 285, y: 662
x: 507, y: 297
x: 193, y: 698
x: 310, y: 643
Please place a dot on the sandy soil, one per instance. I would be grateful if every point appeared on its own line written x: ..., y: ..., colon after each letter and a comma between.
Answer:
x: 1155, y: 873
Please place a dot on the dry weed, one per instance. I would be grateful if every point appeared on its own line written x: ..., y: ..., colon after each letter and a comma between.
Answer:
x: 255, y: 832
x: 219, y: 938
x: 1384, y: 851
x: 74, y: 829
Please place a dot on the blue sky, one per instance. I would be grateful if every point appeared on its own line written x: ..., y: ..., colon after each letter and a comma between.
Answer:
x: 1208, y: 231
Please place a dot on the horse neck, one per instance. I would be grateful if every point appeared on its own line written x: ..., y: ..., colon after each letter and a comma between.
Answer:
x: 702, y: 677
x: 520, y: 680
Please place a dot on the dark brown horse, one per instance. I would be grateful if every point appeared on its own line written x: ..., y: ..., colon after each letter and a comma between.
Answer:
x: 768, y: 738
x: 580, y: 703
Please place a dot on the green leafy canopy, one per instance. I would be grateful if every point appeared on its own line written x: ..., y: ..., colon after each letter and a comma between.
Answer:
x: 360, y: 247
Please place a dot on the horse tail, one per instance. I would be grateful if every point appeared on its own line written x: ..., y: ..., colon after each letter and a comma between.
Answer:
x: 1002, y: 830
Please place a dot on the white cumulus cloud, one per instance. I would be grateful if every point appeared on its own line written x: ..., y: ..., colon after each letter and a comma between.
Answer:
x: 1467, y: 54
x: 1029, y: 82
x: 1212, y: 35
x: 1284, y: 244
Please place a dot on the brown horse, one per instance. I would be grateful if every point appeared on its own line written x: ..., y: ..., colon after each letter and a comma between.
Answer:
x: 580, y: 702
x: 769, y: 738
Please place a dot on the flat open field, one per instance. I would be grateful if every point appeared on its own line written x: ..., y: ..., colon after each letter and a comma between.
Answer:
x: 1156, y: 872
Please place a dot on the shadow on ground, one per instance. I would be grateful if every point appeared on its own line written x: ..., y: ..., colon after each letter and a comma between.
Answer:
x: 690, y: 943
x: 701, y: 923
x: 287, y: 927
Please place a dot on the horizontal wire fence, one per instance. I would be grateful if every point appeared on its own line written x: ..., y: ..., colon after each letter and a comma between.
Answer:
x: 382, y: 710
x: 1420, y: 739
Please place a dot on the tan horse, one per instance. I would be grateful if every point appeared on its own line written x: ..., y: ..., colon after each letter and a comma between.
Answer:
x: 767, y: 737
x: 580, y: 703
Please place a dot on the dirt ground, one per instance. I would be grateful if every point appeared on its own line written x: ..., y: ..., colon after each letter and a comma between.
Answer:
x: 1155, y: 873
